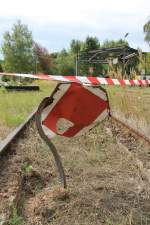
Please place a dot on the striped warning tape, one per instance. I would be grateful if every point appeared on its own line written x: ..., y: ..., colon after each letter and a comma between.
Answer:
x: 82, y: 79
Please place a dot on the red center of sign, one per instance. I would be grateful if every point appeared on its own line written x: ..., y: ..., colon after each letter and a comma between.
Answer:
x: 78, y: 105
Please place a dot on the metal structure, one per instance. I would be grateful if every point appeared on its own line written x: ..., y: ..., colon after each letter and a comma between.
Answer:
x: 114, y: 55
x: 15, y: 133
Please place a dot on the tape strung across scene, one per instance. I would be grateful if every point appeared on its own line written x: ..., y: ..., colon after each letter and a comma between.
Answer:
x: 76, y: 105
x: 82, y: 79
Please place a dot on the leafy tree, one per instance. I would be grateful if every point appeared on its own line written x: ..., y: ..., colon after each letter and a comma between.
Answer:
x: 147, y: 63
x: 65, y: 63
x: 17, y: 49
x: 112, y: 43
x: 91, y: 43
x: 43, y: 59
x: 146, y: 29
x: 76, y: 46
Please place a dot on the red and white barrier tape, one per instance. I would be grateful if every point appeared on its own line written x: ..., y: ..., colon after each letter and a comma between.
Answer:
x: 82, y: 79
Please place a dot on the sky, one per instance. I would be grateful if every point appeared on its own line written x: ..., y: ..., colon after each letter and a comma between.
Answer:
x: 54, y: 23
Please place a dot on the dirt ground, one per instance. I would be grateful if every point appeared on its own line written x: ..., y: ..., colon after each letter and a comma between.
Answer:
x: 108, y: 177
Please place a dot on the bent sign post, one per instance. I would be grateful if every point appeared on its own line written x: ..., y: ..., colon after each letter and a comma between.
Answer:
x: 71, y: 110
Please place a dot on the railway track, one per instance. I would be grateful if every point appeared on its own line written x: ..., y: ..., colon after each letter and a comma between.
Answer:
x: 4, y: 145
x: 132, y: 130
x: 16, y: 134
x: 9, y: 181
x: 12, y: 137
x: 7, y: 152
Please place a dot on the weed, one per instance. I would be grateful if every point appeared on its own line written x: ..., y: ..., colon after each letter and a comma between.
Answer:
x: 26, y: 168
x: 109, y: 222
x: 15, y: 219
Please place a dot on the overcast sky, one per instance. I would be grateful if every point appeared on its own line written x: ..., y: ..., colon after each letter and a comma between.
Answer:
x: 55, y: 23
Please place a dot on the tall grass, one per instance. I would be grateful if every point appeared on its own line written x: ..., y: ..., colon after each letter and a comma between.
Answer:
x: 131, y: 104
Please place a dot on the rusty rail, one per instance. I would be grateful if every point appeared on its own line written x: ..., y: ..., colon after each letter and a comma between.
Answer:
x: 15, y: 133
x: 13, y: 136
x: 137, y: 133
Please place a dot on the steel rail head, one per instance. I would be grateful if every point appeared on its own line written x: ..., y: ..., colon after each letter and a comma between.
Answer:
x: 46, y: 101
x: 134, y: 131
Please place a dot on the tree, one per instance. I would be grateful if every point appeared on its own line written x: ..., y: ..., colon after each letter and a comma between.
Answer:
x: 76, y: 46
x: 17, y: 49
x: 65, y: 63
x: 146, y: 29
x: 112, y: 43
x: 147, y: 58
x: 43, y: 60
x: 91, y: 43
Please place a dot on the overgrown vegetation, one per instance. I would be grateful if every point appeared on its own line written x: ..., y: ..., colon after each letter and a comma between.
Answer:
x: 106, y: 182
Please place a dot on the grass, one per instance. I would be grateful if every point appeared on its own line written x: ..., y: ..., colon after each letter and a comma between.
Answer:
x: 106, y: 182
x: 15, y: 106
x: 15, y: 219
x: 102, y: 181
x: 128, y: 103
x: 26, y: 169
x: 131, y: 104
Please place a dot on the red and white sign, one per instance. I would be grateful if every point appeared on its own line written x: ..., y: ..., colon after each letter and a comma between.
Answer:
x: 75, y: 109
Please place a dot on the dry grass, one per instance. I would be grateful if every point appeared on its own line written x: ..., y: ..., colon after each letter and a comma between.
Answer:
x: 105, y: 182
x: 131, y: 104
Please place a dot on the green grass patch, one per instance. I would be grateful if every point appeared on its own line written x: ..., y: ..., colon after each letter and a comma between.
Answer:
x: 15, y: 219
x: 15, y: 106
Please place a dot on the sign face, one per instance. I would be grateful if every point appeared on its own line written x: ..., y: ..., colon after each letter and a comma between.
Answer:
x: 74, y: 110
